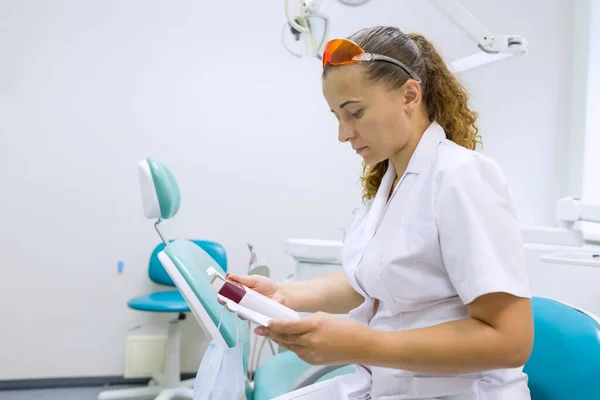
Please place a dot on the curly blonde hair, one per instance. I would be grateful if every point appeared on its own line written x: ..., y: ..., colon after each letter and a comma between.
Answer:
x: 446, y: 99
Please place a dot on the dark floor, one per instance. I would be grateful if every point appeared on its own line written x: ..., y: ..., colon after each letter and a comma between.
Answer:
x: 84, y: 393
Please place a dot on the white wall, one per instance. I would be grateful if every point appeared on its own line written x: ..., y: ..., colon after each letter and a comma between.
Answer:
x: 89, y: 88
x: 580, y: 43
x: 591, y: 186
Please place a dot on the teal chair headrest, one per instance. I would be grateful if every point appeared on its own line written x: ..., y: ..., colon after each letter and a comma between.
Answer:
x: 160, y: 192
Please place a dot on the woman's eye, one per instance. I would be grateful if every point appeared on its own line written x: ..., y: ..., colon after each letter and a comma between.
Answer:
x: 356, y: 114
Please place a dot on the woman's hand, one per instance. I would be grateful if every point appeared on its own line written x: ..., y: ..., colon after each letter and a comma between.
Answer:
x: 260, y: 284
x: 320, y: 339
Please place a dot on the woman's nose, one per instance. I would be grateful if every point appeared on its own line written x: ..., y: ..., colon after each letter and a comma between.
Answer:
x: 345, y: 132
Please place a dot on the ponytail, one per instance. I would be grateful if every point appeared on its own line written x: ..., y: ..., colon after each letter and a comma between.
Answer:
x: 445, y: 98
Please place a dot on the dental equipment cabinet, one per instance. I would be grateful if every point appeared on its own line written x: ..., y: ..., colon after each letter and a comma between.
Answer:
x: 314, y: 257
x: 573, y: 245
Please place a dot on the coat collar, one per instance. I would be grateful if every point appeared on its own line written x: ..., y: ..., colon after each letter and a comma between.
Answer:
x: 423, y: 154
x: 419, y: 161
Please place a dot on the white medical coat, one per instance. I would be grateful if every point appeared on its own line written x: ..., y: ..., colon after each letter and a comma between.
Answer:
x: 447, y: 235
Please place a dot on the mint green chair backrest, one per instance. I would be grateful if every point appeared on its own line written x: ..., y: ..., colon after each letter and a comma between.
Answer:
x: 161, y: 198
x: 192, y: 262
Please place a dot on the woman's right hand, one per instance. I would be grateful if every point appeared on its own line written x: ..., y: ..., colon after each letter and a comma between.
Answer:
x: 260, y: 284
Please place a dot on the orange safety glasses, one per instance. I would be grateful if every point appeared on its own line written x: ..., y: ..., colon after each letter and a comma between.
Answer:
x: 344, y: 51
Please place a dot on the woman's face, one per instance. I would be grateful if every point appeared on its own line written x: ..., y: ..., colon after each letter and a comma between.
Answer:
x: 375, y: 120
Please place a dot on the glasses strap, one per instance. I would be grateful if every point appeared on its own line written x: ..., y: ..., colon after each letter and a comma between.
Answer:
x: 379, y: 57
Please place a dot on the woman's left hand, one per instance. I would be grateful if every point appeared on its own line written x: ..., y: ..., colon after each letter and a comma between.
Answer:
x: 320, y: 339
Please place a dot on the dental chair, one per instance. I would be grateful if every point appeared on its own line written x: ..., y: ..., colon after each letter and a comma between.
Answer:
x: 166, y: 301
x: 565, y: 360
x: 187, y: 264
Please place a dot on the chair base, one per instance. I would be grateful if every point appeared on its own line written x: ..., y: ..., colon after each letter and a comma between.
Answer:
x: 148, y: 392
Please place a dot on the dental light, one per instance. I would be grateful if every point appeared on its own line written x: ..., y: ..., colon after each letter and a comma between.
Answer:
x: 302, y: 22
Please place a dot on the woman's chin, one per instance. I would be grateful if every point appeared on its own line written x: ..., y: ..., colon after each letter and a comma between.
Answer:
x: 370, y: 160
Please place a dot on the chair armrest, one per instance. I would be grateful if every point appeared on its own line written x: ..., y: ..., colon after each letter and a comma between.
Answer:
x: 312, y: 375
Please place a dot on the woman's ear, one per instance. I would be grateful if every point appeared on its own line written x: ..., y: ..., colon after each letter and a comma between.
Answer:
x: 412, y: 95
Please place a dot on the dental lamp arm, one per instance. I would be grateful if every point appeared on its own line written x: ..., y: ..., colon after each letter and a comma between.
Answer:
x: 487, y: 41
x: 493, y: 48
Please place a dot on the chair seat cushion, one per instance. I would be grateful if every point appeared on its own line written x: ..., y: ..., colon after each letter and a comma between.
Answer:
x: 276, y: 375
x: 169, y: 301
x: 565, y: 359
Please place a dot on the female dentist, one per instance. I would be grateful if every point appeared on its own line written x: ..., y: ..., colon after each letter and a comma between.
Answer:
x: 434, y: 278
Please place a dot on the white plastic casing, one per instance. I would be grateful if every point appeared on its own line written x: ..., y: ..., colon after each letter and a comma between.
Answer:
x: 149, y: 197
x: 258, y: 303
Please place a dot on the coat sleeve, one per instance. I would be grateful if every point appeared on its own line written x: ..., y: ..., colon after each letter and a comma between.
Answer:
x: 479, y: 234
